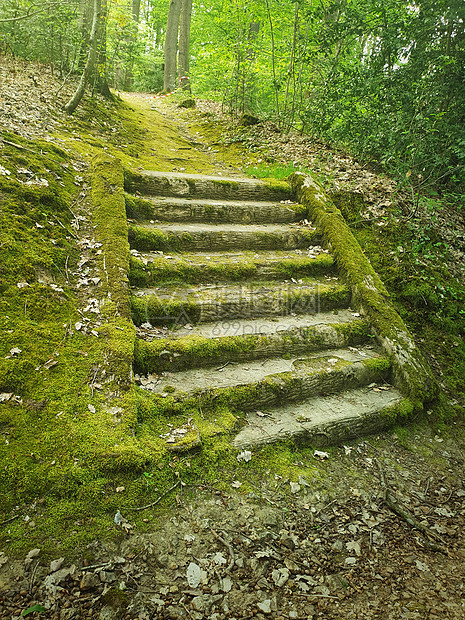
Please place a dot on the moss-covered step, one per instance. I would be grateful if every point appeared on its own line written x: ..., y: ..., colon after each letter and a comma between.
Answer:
x: 168, y: 209
x: 260, y: 326
x: 183, y: 304
x: 216, y: 237
x: 307, y: 378
x: 150, y: 269
x: 253, y: 371
x: 199, y: 350
x: 327, y: 420
x: 181, y: 185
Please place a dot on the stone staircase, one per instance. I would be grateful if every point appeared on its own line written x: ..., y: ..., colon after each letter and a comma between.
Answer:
x: 237, y: 305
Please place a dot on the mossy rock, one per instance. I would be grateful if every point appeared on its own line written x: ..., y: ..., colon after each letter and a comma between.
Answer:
x: 187, y: 103
x: 185, y: 438
x: 247, y: 120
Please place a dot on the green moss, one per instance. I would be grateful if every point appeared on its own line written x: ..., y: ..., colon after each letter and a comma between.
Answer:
x: 368, y: 292
x: 399, y: 412
x: 138, y: 208
x: 160, y: 270
x: 379, y: 364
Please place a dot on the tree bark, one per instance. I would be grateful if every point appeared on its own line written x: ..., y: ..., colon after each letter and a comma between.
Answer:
x: 90, y: 62
x: 132, y: 39
x: 101, y: 72
x: 171, y: 45
x: 184, y: 43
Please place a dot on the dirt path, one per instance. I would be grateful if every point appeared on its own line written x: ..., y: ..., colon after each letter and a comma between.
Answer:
x: 325, y: 546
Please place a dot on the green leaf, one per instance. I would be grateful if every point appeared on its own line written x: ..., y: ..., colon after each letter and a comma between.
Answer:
x: 32, y: 609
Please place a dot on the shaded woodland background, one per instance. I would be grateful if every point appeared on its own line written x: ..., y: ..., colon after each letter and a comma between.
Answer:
x: 384, y: 79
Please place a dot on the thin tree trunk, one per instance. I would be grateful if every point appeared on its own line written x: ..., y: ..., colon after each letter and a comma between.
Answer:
x: 291, y: 73
x: 249, y: 73
x: 90, y: 63
x: 184, y: 43
x: 101, y: 73
x: 273, y: 63
x: 132, y: 40
x: 85, y: 24
x: 171, y: 45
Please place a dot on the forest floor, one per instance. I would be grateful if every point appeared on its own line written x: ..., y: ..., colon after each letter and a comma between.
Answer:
x: 372, y: 529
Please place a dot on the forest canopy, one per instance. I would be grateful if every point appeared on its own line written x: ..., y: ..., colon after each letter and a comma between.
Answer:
x: 382, y: 78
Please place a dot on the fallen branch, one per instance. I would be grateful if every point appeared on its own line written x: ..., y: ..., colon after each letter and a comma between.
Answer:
x: 157, y: 500
x: 9, y: 520
x: 406, y: 515
x: 229, y: 548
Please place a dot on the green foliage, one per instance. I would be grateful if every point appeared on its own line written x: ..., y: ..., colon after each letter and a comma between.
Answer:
x: 276, y: 171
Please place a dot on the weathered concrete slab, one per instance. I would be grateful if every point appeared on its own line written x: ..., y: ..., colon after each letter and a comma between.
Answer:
x: 323, y: 420
x: 172, y: 209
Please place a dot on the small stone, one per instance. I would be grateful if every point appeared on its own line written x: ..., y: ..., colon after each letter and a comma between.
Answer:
x: 56, y: 564
x: 198, y: 603
x: 107, y: 576
x: 265, y: 606
x: 89, y: 581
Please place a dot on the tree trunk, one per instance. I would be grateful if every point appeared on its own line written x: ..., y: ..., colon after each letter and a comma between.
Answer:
x: 171, y: 45
x: 85, y: 24
x: 90, y: 63
x: 132, y: 40
x: 249, y: 89
x: 101, y: 73
x: 184, y: 41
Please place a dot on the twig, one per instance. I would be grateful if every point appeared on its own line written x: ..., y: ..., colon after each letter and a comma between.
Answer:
x: 229, y: 548
x: 24, y: 148
x: 31, y: 580
x: 93, y: 380
x: 223, y: 366
x: 157, y: 500
x: 316, y: 595
x: 9, y: 520
x: 66, y: 269
x: 92, y: 566
x: 406, y: 515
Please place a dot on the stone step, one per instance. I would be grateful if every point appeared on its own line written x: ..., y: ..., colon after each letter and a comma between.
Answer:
x: 306, y: 379
x: 324, y: 420
x: 263, y: 326
x: 176, y: 184
x: 278, y: 377
x: 169, y: 209
x: 179, y: 305
x: 150, y: 269
x: 216, y: 237
x: 207, y: 345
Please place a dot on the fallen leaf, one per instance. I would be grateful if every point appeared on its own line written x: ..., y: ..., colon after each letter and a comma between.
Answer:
x: 354, y: 545
x: 245, y: 456
x: 421, y: 565
x: 320, y: 455
x: 193, y: 575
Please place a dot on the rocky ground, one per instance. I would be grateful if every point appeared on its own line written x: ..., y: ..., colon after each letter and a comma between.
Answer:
x: 375, y: 530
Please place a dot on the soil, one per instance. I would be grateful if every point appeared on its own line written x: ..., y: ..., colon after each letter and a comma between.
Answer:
x: 327, y: 546
x: 375, y: 530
